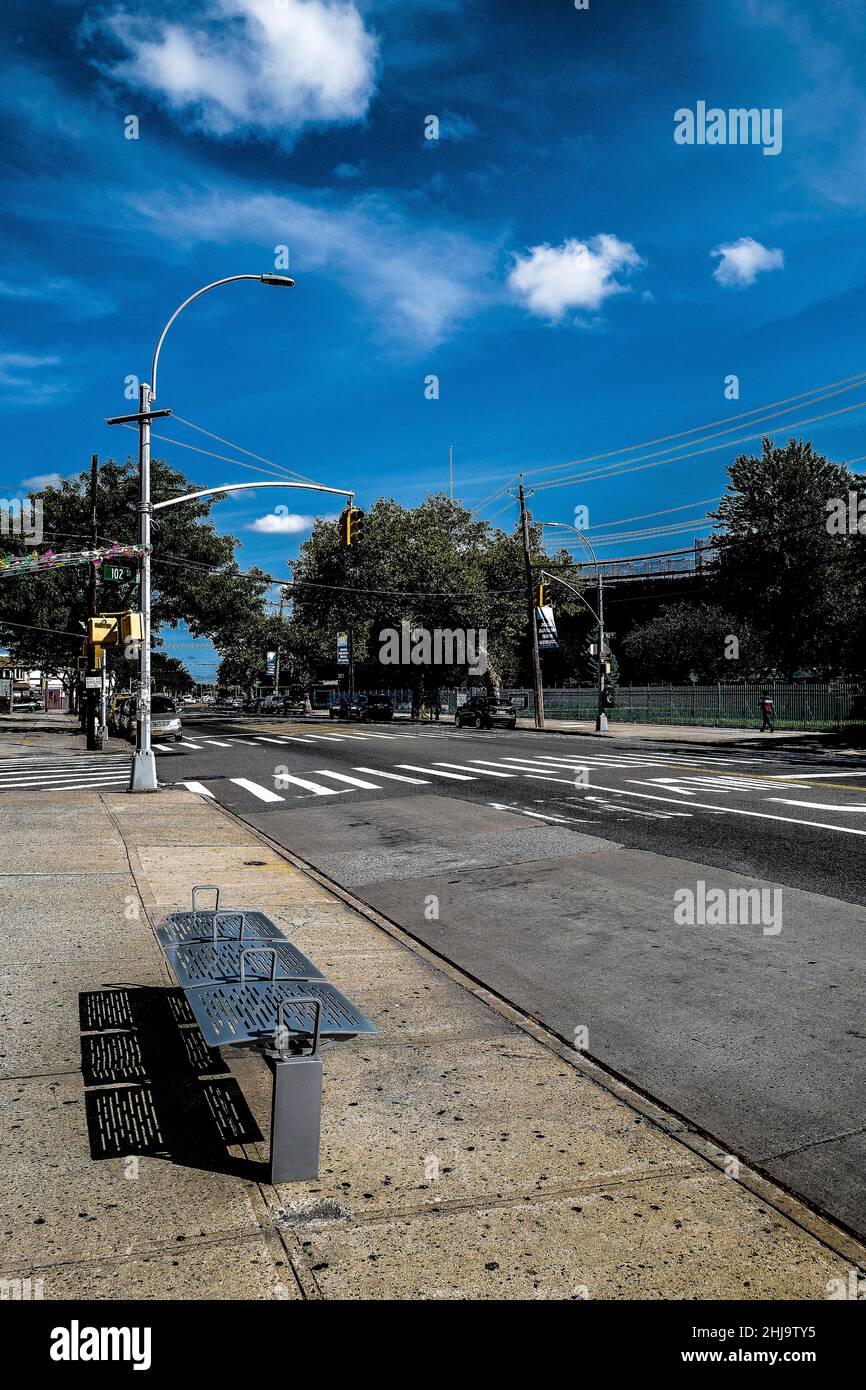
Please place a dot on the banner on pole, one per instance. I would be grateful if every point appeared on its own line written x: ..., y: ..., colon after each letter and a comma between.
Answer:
x: 342, y: 648
x: 547, y: 640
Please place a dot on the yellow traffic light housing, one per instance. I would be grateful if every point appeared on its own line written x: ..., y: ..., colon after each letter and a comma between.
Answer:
x: 131, y: 627
x: 102, y: 631
x: 539, y: 594
x: 350, y: 526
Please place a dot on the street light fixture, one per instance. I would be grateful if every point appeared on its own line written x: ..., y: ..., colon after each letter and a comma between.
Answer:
x: 601, y: 717
x: 143, y: 778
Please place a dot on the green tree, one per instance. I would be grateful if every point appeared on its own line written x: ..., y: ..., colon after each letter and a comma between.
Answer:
x: 779, y: 568
x: 195, y: 576
x: 687, y: 638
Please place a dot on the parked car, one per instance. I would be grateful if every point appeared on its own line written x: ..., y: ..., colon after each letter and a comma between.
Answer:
x: 294, y: 705
x: 483, y: 712
x: 165, y: 718
x: 365, y: 707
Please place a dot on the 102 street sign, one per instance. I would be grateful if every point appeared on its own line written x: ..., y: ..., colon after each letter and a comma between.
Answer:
x: 118, y: 574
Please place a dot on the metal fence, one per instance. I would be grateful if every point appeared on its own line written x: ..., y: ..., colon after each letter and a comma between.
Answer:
x: 798, y: 705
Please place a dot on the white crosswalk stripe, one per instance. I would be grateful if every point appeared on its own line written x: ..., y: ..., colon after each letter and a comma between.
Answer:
x: 344, y: 777
x: 72, y: 772
x: 394, y: 776
x: 262, y: 793
x: 198, y: 787
x: 215, y: 743
x: 185, y: 743
x: 476, y: 771
x: 434, y: 772
x: 305, y: 785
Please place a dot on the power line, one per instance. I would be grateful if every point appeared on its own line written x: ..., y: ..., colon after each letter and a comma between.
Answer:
x: 817, y: 392
x: 240, y: 449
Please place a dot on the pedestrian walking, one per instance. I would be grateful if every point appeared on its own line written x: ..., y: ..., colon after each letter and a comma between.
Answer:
x: 767, y: 714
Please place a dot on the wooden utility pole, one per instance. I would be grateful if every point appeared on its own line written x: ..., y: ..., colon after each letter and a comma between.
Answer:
x: 530, y: 603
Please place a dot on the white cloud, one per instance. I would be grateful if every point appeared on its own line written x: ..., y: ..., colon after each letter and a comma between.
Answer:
x: 239, y: 65
x: 282, y: 523
x: 40, y: 480
x: 21, y: 382
x: 418, y: 281
x: 575, y: 275
x: 740, y: 262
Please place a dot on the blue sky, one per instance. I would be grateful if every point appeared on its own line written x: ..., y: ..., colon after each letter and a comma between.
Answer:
x: 577, y: 281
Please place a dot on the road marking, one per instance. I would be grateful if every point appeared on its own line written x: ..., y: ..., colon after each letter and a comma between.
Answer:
x: 434, y: 772
x: 262, y: 793
x: 313, y: 787
x: 394, y: 776
x: 215, y: 743
x: 247, y: 742
x: 540, y: 777
x: 482, y: 771
x: 264, y: 739
x: 185, y: 743
x: 738, y: 811
x: 293, y: 738
x: 812, y: 776
x: 199, y: 788
x: 817, y: 805
x: 9, y: 779
x: 105, y: 780
x: 343, y: 777
x: 538, y: 815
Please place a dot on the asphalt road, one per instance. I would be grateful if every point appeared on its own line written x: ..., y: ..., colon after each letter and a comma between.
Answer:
x: 560, y: 869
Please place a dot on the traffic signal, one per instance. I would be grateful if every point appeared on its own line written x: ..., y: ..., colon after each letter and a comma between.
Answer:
x: 131, y: 627
x: 351, y: 525
x: 102, y: 632
x: 539, y: 594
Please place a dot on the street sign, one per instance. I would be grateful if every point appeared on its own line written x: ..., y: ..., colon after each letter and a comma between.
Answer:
x: 342, y: 648
x: 118, y: 574
x: 93, y: 682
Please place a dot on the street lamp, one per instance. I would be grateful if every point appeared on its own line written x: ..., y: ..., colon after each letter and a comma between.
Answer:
x: 601, y: 717
x: 143, y: 778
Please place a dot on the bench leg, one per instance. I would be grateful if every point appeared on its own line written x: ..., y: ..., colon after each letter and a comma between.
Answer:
x: 296, y: 1119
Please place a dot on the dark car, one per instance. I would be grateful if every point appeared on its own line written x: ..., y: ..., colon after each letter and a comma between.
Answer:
x: 340, y: 709
x: 365, y: 707
x: 482, y: 712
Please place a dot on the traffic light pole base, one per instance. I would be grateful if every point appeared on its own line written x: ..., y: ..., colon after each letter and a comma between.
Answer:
x: 143, y: 778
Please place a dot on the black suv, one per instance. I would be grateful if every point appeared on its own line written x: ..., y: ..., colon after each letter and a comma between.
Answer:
x: 482, y: 712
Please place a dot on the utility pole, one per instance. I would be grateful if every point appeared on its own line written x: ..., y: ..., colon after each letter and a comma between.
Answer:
x: 601, y: 714
x: 277, y: 657
x: 451, y: 470
x: 93, y: 727
x: 530, y: 601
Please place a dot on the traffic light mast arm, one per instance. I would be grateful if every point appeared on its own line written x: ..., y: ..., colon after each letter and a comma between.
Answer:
x: 239, y: 487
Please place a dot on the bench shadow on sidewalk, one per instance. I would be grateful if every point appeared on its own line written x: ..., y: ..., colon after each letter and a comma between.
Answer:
x: 153, y: 1087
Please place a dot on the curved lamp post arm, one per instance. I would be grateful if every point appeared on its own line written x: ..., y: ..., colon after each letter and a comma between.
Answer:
x: 580, y: 536
x: 227, y: 280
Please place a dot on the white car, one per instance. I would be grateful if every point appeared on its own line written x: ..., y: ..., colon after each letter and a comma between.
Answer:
x: 164, y: 718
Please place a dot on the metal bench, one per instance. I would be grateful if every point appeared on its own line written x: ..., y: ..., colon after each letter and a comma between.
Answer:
x: 247, y: 985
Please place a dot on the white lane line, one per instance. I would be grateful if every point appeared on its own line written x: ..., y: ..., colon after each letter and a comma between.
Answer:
x: 478, y: 771
x: 215, y: 743
x: 811, y: 776
x: 283, y: 777
x: 293, y: 738
x: 279, y: 741
x: 198, y: 787
x: 738, y: 811
x: 434, y: 772
x: 248, y: 742
x: 343, y: 777
x: 537, y: 815
x: 330, y: 738
x: 394, y: 776
x: 818, y: 805
x: 185, y: 743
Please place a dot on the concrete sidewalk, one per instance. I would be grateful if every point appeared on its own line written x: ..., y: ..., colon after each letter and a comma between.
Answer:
x: 466, y: 1154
